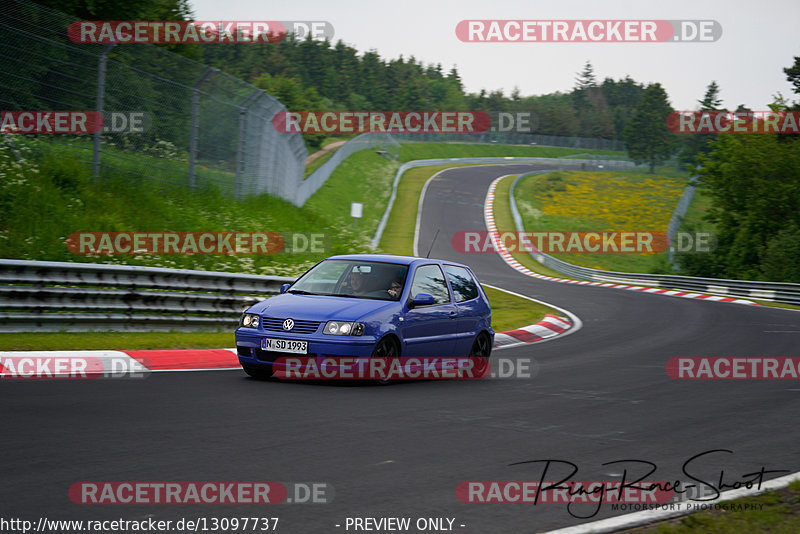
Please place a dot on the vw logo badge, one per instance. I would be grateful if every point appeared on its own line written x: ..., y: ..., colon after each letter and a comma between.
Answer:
x: 288, y: 324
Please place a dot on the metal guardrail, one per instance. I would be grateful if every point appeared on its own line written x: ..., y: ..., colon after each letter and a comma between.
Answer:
x: 678, y: 215
x: 512, y: 138
x: 47, y: 296
x: 770, y: 291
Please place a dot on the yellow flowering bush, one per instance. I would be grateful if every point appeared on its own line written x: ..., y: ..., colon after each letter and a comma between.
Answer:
x: 600, y: 201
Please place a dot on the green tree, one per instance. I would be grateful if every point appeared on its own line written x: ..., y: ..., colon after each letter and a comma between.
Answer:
x: 695, y: 144
x: 622, y: 97
x: 793, y: 76
x: 586, y: 78
x: 647, y: 137
x: 754, y: 183
x: 131, y: 10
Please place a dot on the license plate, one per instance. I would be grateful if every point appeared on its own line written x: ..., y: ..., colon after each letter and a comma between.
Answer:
x: 285, y: 345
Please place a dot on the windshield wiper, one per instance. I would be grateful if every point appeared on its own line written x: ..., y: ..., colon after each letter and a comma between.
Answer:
x: 300, y: 292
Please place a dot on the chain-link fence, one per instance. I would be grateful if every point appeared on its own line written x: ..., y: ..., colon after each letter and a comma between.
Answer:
x: 199, y: 125
x: 514, y: 138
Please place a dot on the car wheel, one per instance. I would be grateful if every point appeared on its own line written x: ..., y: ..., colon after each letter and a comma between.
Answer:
x: 481, y: 350
x: 388, y: 350
x: 258, y: 372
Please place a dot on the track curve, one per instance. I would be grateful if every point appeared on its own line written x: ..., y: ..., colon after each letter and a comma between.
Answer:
x: 601, y: 394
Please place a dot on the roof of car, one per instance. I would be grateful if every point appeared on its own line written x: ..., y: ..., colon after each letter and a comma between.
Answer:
x: 388, y: 258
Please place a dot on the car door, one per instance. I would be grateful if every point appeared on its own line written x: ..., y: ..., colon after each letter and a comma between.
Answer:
x: 469, y: 307
x: 428, y: 331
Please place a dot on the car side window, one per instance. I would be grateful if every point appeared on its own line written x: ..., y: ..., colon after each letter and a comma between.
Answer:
x: 464, y: 286
x: 430, y: 279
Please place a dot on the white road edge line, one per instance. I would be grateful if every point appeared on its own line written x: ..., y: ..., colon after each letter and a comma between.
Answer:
x: 577, y: 324
x: 637, y: 519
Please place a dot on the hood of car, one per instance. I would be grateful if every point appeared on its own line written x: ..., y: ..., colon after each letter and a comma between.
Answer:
x: 318, y: 307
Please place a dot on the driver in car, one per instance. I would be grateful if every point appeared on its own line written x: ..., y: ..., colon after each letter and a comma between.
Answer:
x: 358, y: 282
x: 395, y: 289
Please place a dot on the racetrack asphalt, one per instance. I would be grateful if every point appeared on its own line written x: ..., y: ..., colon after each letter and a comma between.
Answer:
x: 599, y: 395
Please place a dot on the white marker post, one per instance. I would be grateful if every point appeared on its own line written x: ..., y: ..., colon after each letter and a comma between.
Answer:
x: 356, y: 212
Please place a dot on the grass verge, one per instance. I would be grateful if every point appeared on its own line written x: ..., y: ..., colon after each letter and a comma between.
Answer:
x: 412, y: 151
x: 117, y: 340
x: 74, y: 202
x: 602, y: 201
x: 505, y: 223
x: 778, y: 512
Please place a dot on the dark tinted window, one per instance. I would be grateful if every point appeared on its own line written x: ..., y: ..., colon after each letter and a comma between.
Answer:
x: 429, y: 279
x: 464, y: 287
x: 337, y: 278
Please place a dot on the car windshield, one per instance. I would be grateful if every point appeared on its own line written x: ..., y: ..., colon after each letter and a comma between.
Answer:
x: 353, y: 279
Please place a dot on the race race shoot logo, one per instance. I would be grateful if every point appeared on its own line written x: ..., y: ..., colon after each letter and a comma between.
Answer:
x: 736, y: 122
x: 113, y: 243
x: 730, y: 368
x: 38, y: 366
x: 353, y: 122
x: 50, y: 122
x: 195, y: 31
x: 588, y: 31
x: 481, y: 242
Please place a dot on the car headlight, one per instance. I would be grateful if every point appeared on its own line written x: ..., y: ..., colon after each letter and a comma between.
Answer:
x: 250, y: 320
x: 343, y: 328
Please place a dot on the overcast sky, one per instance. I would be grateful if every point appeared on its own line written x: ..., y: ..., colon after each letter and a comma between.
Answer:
x: 758, y: 40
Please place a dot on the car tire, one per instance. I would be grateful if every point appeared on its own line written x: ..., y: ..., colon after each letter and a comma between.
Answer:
x: 258, y: 372
x: 480, y: 352
x: 388, y: 349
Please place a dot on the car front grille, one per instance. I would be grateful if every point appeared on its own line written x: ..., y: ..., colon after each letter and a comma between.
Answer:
x: 300, y: 326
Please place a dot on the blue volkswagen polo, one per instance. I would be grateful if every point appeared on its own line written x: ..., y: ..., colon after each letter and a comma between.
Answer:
x: 369, y: 306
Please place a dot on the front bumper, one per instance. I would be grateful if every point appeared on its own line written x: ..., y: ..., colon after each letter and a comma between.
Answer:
x: 320, y: 347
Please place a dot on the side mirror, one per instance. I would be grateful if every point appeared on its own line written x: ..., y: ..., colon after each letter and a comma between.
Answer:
x: 422, y: 299
x: 284, y: 287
